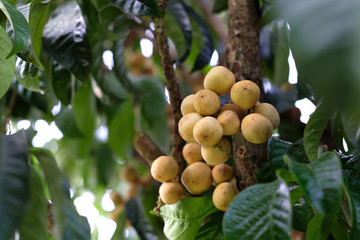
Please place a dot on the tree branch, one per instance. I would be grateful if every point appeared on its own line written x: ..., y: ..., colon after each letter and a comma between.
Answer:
x: 243, y: 59
x: 147, y: 148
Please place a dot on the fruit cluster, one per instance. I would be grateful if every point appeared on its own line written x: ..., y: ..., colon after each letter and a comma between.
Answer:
x: 204, y: 126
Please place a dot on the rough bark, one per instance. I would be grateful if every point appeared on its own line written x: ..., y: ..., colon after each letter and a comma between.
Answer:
x: 243, y: 59
x: 147, y: 148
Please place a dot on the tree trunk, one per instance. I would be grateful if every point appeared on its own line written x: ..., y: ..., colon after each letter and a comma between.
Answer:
x: 243, y: 59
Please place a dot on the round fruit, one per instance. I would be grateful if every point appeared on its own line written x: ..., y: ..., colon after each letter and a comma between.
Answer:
x: 192, y: 153
x: 186, y: 126
x: 219, y: 79
x: 164, y: 168
x: 223, y: 194
x: 245, y: 94
x: 217, y: 154
x: 230, y: 122
x: 129, y: 174
x: 187, y: 104
x: 230, y: 106
x: 268, y: 111
x: 208, y: 131
x: 206, y: 102
x: 196, y: 178
x: 256, y: 128
x: 171, y: 192
x: 222, y: 173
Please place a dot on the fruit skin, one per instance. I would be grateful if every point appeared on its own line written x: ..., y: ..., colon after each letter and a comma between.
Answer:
x: 223, y: 194
x: 230, y: 106
x: 217, y: 154
x: 192, y: 153
x: 164, y: 168
x: 222, y: 173
x: 206, y: 102
x: 219, y: 79
x: 256, y: 128
x: 268, y: 111
x: 186, y: 126
x: 197, y: 178
x: 171, y: 192
x: 129, y: 174
x: 245, y: 94
x: 208, y: 131
x: 187, y: 104
x: 230, y: 122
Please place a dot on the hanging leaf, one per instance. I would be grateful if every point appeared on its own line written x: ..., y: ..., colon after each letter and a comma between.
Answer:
x: 7, y: 65
x: 14, y: 182
x: 61, y: 83
x: 321, y: 181
x: 27, y: 74
x: 65, y: 121
x: 351, y: 123
x: 65, y: 39
x: 20, y: 28
x: 139, y: 7
x: 261, y: 211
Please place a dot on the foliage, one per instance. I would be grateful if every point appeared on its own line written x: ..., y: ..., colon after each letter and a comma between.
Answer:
x: 52, y: 68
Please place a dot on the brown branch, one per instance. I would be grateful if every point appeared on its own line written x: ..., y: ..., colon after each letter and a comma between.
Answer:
x: 147, y: 148
x: 171, y: 84
x: 243, y: 59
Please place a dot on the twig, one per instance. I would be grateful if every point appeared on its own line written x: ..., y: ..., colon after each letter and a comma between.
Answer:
x: 147, y: 148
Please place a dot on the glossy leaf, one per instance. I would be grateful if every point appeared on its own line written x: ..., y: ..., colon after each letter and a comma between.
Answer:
x: 351, y: 123
x: 7, y: 65
x: 77, y: 227
x: 183, y: 219
x: 139, y: 7
x: 27, y: 74
x: 337, y: 130
x: 61, y: 84
x: 14, y: 182
x: 34, y: 225
x: 212, y: 229
x: 321, y: 181
x: 315, y: 128
x: 315, y: 230
x: 84, y: 108
x: 261, y: 211
x: 300, y: 215
x: 65, y: 39
x: 20, y: 27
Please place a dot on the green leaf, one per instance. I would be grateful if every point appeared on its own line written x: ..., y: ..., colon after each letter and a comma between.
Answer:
x: 120, y: 226
x: 337, y: 130
x: 219, y: 6
x: 314, y: 231
x: 77, y: 227
x: 61, y: 84
x: 84, y: 108
x: 65, y: 121
x: 20, y: 27
x: 139, y: 7
x: 212, y: 229
x: 315, y: 128
x: 122, y: 130
x: 7, y: 65
x: 351, y: 123
x: 65, y: 39
x: 321, y: 181
x: 352, y: 183
x: 14, y: 182
x: 300, y: 215
x: 34, y: 225
x: 184, y: 218
x: 261, y: 211
x: 27, y: 74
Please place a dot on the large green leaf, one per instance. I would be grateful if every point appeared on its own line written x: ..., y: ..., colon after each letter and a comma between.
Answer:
x: 14, y: 182
x: 84, y: 108
x: 65, y: 39
x: 7, y: 65
x: 34, y: 225
x: 212, y: 229
x: 27, y: 74
x: 351, y: 123
x: 261, y: 211
x: 61, y: 84
x: 184, y: 218
x: 321, y: 181
x: 315, y: 229
x: 139, y: 7
x: 315, y: 128
x: 20, y: 27
x: 122, y: 130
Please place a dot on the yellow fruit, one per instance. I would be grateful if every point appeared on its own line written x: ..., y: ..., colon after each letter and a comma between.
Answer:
x: 192, y: 153
x: 171, y: 192
x: 268, y: 111
x: 206, y: 102
x: 245, y: 94
x: 219, y: 79
x: 217, y: 154
x: 208, y: 131
x: 186, y: 126
x: 230, y: 106
x: 222, y: 173
x: 230, y: 122
x: 256, y: 128
x: 223, y: 194
x: 187, y: 104
x: 164, y: 168
x: 129, y: 174
x: 196, y: 178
